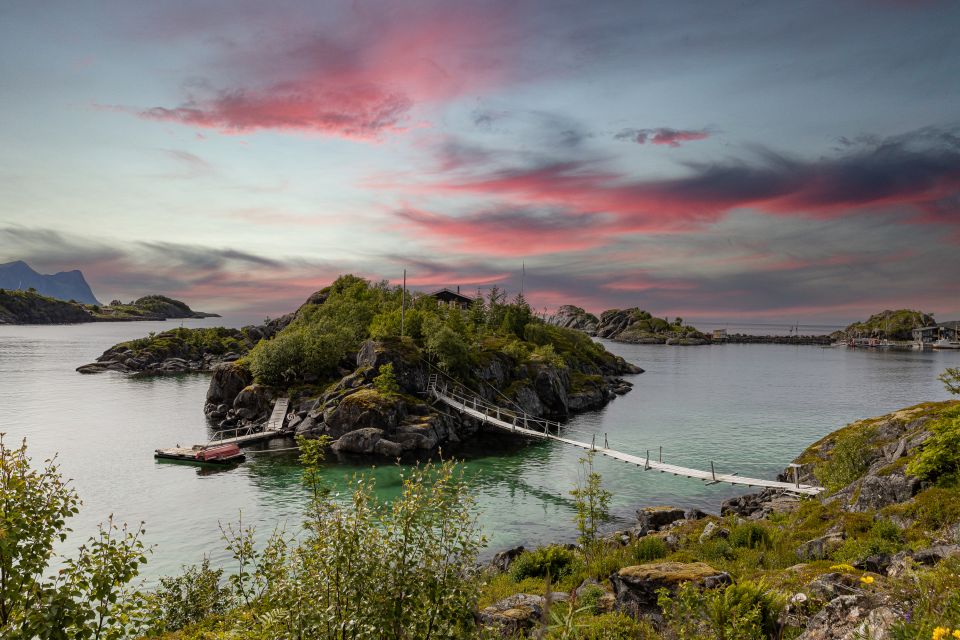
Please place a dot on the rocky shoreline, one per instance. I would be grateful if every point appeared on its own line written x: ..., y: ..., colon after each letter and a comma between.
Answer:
x: 361, y: 419
x: 830, y: 597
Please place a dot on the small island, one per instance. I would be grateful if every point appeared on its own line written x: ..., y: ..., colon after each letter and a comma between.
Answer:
x: 356, y: 357
x: 31, y: 307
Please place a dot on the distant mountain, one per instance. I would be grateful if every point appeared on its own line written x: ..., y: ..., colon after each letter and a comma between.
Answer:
x: 66, y: 285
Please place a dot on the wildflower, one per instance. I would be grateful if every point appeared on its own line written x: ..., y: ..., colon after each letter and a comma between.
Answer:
x: 869, y: 580
x: 940, y: 633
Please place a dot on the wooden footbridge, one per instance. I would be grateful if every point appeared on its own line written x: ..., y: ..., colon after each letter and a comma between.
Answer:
x: 470, y: 404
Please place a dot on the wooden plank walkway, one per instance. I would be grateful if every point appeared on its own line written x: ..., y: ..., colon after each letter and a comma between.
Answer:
x: 519, y: 423
x: 279, y: 415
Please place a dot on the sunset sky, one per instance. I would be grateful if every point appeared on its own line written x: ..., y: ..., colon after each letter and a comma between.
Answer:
x: 787, y: 161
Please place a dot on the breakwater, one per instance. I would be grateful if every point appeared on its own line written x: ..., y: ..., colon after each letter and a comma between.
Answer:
x: 743, y: 338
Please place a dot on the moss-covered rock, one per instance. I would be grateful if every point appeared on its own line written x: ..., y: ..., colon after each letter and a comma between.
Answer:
x: 637, y: 587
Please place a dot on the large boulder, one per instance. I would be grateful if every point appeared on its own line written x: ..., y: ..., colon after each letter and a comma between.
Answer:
x: 227, y: 382
x: 878, y: 491
x: 756, y: 506
x: 551, y: 385
x: 636, y: 587
x: 358, y: 441
x: 364, y: 408
x: 571, y: 317
x: 512, y: 616
x: 253, y: 402
x: 410, y: 373
x: 656, y: 518
x: 851, y: 617
x: 936, y: 553
x: 503, y: 559
x: 820, y: 548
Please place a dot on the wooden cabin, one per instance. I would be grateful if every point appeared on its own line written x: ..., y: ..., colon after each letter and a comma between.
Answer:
x: 455, y: 298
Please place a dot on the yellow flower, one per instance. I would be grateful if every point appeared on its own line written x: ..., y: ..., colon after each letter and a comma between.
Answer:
x: 869, y: 580
x: 940, y: 633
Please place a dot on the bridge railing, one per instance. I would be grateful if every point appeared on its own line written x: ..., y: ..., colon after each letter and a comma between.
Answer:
x: 470, y: 400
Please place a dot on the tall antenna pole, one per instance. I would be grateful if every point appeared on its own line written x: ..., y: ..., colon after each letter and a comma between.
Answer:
x: 403, y: 302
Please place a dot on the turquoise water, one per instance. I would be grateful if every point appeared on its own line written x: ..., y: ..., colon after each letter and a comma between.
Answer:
x: 747, y: 408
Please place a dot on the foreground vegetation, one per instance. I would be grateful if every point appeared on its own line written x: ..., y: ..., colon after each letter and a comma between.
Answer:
x: 361, y: 568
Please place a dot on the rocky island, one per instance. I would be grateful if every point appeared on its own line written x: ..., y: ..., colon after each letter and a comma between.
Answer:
x: 891, y: 325
x: 633, y: 325
x: 356, y: 376
x: 31, y: 307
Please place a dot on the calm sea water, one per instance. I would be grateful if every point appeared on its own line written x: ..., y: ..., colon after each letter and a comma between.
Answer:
x: 747, y: 408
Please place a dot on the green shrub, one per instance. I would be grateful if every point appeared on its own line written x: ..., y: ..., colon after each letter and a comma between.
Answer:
x: 743, y: 611
x: 848, y: 460
x: 884, y: 537
x: 751, y: 535
x: 188, y: 598
x: 649, y: 548
x: 939, y: 457
x: 716, y: 550
x: 933, y: 509
x: 386, y: 381
x: 613, y: 626
x: 44, y: 594
x: 589, y: 597
x: 951, y: 379
x: 556, y: 560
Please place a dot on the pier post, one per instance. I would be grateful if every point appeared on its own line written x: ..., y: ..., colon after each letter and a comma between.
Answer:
x: 796, y: 474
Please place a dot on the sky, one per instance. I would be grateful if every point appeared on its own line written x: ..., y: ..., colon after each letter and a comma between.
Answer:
x: 755, y: 160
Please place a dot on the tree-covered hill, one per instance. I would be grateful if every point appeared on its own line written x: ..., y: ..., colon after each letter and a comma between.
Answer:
x: 893, y: 325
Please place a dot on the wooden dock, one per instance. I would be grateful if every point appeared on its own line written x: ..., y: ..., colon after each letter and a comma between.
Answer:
x: 242, y: 436
x: 472, y: 405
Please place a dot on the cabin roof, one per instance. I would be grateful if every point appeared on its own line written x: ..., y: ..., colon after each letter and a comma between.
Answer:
x: 451, y: 295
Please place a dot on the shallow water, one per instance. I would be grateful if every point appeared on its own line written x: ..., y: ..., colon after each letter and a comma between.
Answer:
x: 747, y: 408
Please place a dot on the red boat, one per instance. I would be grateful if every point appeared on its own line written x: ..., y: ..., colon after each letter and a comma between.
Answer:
x: 219, y: 452
x: 222, y: 454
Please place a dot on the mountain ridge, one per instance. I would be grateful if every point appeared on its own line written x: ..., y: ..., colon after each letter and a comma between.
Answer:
x: 63, y: 285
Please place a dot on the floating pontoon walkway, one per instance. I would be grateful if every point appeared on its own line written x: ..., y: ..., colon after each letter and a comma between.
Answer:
x: 472, y: 405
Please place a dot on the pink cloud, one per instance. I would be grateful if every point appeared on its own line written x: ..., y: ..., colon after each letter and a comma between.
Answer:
x: 360, y: 78
x: 506, y: 231
x: 663, y: 136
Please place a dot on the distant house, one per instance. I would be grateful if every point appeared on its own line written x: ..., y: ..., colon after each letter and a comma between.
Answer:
x: 454, y: 298
x: 927, y: 335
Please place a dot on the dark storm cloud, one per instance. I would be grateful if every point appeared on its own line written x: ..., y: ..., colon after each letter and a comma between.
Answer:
x: 915, y: 173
